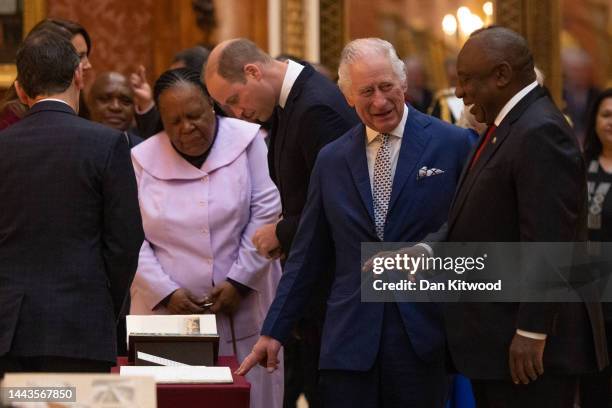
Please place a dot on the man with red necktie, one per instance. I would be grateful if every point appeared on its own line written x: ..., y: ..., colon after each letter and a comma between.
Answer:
x: 525, y: 182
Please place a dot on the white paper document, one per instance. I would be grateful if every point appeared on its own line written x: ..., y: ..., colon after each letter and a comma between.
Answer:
x: 181, y: 374
x: 159, y: 360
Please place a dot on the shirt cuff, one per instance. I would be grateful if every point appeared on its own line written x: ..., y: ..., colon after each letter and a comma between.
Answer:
x: 531, y: 335
x: 426, y: 247
x: 143, y: 111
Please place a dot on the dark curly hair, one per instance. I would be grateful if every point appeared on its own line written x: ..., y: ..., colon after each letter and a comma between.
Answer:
x: 175, y: 76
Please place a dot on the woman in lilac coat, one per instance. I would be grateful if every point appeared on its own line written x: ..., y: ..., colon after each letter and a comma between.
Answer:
x: 204, y: 189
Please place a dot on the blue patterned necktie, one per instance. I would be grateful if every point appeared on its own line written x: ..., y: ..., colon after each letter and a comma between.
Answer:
x: 382, y: 184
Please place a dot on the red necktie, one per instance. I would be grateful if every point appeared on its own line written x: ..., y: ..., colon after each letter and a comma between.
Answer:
x: 482, y: 146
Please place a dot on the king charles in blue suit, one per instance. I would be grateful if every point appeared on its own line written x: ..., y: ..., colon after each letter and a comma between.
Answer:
x: 372, y: 354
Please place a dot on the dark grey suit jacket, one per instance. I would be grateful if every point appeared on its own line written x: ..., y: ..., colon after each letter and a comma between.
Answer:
x: 70, y: 234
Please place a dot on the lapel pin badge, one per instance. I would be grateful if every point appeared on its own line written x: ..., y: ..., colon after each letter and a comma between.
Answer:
x: 494, y: 139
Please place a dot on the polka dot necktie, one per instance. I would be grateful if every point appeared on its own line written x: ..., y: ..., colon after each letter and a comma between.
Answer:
x: 382, y: 184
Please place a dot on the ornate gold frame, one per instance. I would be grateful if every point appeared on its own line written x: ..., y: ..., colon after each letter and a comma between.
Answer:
x: 33, y: 12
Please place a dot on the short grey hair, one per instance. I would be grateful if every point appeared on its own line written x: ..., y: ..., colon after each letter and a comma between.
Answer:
x: 362, y: 47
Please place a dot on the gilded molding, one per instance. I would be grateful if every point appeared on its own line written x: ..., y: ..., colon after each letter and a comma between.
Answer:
x: 332, y: 32
x: 293, y: 28
x: 33, y: 12
x: 539, y: 22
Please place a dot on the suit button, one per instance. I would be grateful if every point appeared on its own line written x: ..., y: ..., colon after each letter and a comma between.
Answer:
x: 202, y: 203
x: 204, y: 230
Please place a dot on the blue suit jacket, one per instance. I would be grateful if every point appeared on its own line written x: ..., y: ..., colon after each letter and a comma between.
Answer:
x: 339, y: 216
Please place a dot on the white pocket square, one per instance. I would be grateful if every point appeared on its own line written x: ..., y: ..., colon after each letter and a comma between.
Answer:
x: 425, y: 172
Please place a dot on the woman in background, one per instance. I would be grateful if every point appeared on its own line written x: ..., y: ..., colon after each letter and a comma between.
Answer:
x: 595, y: 389
x: 204, y: 189
x: 11, y: 109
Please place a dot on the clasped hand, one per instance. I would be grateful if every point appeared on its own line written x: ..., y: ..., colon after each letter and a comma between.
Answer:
x: 182, y: 301
x: 224, y: 298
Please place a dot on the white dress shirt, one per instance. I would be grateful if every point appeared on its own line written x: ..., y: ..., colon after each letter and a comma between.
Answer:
x: 513, y: 101
x: 395, y: 142
x: 53, y: 100
x: 293, y: 71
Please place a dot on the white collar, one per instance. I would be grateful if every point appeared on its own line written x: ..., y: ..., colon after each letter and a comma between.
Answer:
x: 53, y: 100
x: 293, y: 71
x: 513, y: 101
x: 398, y: 131
x: 158, y: 158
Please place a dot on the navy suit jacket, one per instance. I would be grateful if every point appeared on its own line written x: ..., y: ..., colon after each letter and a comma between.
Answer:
x: 339, y: 215
x: 70, y: 234
x: 316, y: 113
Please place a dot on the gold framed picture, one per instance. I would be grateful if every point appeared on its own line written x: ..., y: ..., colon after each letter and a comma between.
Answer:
x: 17, y: 17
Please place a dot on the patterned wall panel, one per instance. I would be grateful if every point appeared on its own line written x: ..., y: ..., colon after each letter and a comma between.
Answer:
x: 543, y: 28
x: 509, y: 13
x: 121, y: 31
x: 332, y: 32
x: 539, y: 22
x: 293, y: 28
